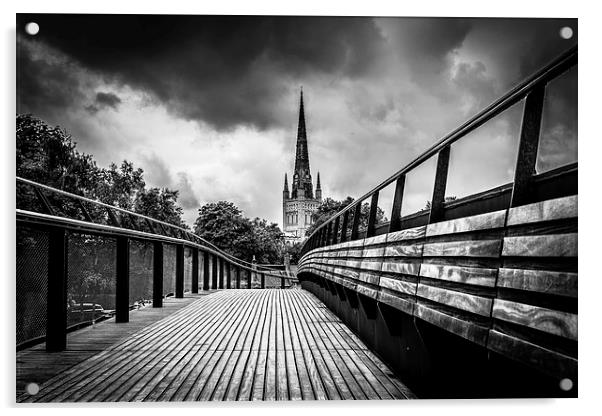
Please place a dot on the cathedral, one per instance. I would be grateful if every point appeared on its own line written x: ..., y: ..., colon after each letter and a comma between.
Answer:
x: 300, y: 203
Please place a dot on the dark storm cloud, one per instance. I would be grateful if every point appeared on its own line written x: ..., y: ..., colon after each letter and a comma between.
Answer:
x: 223, y: 70
x: 107, y: 99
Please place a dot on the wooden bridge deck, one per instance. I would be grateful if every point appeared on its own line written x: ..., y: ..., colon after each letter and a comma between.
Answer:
x: 267, y: 344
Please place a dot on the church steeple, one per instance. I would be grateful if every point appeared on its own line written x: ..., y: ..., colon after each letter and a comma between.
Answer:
x: 285, y: 193
x: 302, y: 185
x: 318, y: 188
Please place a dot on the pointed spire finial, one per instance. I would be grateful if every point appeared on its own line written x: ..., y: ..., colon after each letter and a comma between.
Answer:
x: 318, y: 183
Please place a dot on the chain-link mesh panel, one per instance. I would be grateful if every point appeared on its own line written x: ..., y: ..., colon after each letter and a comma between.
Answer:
x: 141, y: 273
x: 90, y: 278
x: 169, y: 269
x: 187, y: 269
x: 32, y: 283
x: 272, y: 282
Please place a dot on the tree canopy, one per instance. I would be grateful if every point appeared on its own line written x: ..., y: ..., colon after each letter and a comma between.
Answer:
x: 48, y: 155
x: 223, y: 224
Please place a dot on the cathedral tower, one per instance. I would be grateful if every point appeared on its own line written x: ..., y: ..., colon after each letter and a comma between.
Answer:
x: 298, y: 208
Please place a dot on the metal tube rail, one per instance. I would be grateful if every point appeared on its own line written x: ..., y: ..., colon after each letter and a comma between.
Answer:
x: 550, y: 71
x: 162, y: 224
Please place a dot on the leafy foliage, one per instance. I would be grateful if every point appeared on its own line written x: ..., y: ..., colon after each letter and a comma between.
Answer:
x: 223, y: 224
x: 48, y: 155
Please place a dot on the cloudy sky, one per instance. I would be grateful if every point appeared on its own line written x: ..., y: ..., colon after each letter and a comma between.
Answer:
x: 208, y: 104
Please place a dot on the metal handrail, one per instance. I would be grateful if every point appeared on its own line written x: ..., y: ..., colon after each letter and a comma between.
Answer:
x: 203, y: 243
x: 556, y: 67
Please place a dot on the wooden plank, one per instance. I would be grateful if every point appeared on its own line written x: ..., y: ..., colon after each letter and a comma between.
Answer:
x: 470, y: 275
x: 403, y: 250
x: 471, y: 248
x: 401, y: 267
x: 397, y: 302
x: 542, y: 281
x: 550, y: 210
x: 473, y: 223
x: 221, y: 348
x: 407, y: 234
x: 463, y: 328
x: 464, y: 301
x: 563, y: 324
x: 542, y: 359
x: 554, y: 245
x: 398, y: 285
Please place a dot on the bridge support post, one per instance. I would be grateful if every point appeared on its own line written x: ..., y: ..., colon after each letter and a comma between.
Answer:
x: 221, y: 272
x: 122, y: 295
x: 527, y: 148
x: 56, y: 322
x: 213, y: 271
x: 157, y: 274
x: 195, y: 270
x: 237, y: 277
x: 438, y: 201
x: 262, y: 281
x: 395, y: 224
x: 205, y: 270
x: 357, y: 213
x: 179, y: 271
x: 370, y: 231
x: 282, y: 283
x: 228, y: 276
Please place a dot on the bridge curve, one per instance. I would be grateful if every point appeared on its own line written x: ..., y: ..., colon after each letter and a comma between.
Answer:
x: 475, y: 297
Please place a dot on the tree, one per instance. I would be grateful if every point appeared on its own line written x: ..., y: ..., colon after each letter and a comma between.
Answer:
x: 48, y: 155
x: 224, y: 225
x: 330, y: 207
x: 161, y: 204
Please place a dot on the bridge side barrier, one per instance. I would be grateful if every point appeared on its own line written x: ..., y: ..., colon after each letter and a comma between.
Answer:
x: 505, y: 281
x: 79, y: 261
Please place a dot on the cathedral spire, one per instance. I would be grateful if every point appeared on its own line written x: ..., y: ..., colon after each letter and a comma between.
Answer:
x: 302, y: 156
x: 318, y: 188
x: 302, y: 186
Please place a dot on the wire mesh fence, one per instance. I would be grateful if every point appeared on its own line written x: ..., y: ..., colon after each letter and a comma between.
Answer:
x: 141, y: 273
x: 32, y: 283
x: 187, y: 269
x: 91, y: 278
x: 169, y: 269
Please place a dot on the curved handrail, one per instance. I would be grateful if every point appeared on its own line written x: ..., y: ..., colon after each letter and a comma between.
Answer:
x: 193, y: 238
x: 557, y: 66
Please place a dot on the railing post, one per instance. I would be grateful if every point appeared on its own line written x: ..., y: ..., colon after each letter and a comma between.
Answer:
x: 329, y: 233
x: 370, y: 231
x: 157, y: 274
x: 262, y: 281
x: 438, y: 200
x: 56, y: 305
x: 213, y: 271
x: 249, y: 279
x: 527, y: 147
x: 179, y: 270
x: 395, y: 224
x: 335, y: 232
x: 345, y: 226
x: 237, y: 277
x: 206, y: 270
x: 221, y: 272
x: 228, y: 276
x: 122, y: 295
x: 356, y: 221
x: 195, y: 270
x: 282, y: 283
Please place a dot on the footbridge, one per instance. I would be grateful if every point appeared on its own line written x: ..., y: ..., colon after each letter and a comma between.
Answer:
x: 472, y: 297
